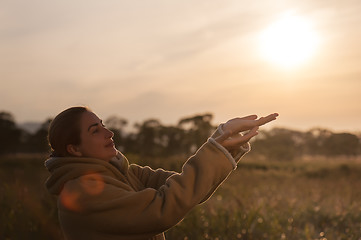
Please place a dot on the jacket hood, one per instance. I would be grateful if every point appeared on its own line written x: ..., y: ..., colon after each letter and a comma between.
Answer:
x: 63, y: 169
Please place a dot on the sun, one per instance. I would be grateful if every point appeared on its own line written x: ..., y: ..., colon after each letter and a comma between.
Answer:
x: 288, y: 42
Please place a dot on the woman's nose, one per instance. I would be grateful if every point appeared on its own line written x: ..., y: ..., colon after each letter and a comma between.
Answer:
x: 109, y: 134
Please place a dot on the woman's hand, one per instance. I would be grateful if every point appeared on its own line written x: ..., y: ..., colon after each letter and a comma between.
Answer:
x: 231, y: 137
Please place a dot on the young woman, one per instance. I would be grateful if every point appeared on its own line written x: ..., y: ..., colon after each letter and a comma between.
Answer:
x: 102, y: 196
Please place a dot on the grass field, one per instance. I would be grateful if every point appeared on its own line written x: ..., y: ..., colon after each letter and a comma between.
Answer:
x: 304, y: 199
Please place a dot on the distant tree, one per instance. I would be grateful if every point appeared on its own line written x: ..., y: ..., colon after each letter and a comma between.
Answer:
x: 38, y: 141
x: 148, y: 139
x: 324, y: 142
x: 279, y: 144
x: 197, y: 129
x: 10, y: 134
x: 130, y: 143
x: 359, y: 145
x: 172, y: 140
x: 341, y: 144
x: 315, y: 141
x: 285, y: 144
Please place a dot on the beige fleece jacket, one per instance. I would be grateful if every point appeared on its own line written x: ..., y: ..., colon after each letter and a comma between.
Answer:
x: 114, y: 200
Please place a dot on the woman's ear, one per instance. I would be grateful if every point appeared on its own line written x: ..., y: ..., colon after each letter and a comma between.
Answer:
x: 74, y: 150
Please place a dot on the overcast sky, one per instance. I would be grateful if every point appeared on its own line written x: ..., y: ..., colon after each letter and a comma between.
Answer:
x: 142, y: 59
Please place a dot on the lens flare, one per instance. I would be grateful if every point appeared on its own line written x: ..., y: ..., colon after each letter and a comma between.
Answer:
x: 90, y: 184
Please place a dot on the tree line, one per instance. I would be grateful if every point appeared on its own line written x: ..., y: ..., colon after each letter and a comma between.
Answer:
x: 153, y: 139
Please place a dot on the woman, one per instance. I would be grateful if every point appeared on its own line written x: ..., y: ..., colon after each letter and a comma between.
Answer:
x: 101, y: 196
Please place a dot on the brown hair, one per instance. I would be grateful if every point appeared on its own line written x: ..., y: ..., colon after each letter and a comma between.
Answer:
x: 64, y: 129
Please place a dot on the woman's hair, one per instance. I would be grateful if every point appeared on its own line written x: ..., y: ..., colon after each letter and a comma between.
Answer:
x: 64, y: 129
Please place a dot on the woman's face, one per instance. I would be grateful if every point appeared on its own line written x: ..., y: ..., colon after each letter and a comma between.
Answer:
x: 95, y: 139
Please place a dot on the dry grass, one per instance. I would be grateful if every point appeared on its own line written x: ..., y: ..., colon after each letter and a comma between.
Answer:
x: 304, y: 199
x: 281, y: 200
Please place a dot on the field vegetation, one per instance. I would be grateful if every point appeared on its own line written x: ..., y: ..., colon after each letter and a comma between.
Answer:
x: 317, y: 198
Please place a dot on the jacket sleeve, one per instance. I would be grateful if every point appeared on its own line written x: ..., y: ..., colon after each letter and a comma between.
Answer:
x: 118, y: 210
x: 150, y: 178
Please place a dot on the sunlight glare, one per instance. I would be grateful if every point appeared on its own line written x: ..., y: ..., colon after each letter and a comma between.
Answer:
x: 289, y: 41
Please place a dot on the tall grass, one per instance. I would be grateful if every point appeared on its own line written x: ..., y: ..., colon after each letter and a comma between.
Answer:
x: 27, y: 210
x: 281, y: 200
x: 315, y: 199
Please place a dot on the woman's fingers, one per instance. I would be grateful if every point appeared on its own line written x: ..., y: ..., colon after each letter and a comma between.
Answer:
x: 263, y: 120
x: 246, y: 123
x: 236, y: 125
x: 239, y: 140
x: 250, y: 117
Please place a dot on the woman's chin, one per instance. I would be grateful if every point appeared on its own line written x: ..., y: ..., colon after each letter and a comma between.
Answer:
x: 114, y: 152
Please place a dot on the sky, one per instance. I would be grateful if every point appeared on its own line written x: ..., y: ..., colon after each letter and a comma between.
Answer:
x: 172, y: 59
